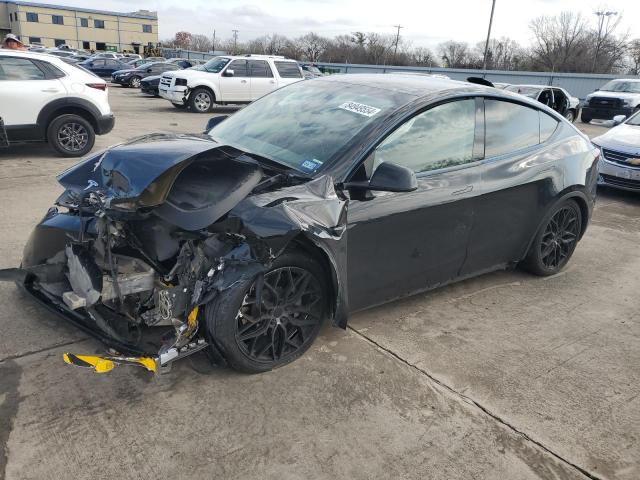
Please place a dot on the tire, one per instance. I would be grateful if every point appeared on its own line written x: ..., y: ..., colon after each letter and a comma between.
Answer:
x: 585, y: 118
x: 71, y: 135
x: 258, y: 346
x: 201, y: 100
x: 570, y: 115
x: 555, y: 241
x: 181, y: 106
x: 135, y: 81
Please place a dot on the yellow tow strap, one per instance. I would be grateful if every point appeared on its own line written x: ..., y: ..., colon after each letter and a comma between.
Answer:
x: 106, y: 364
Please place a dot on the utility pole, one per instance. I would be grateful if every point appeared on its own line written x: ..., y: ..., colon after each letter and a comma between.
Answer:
x: 601, y: 16
x: 213, y: 42
x: 486, y: 45
x: 235, y: 41
x: 395, y: 51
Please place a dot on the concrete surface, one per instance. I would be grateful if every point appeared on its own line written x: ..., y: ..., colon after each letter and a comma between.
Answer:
x: 505, y: 376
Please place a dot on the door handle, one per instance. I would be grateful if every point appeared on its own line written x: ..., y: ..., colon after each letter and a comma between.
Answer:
x: 243, y: 81
x: 466, y: 189
x: 272, y: 81
x: 50, y: 90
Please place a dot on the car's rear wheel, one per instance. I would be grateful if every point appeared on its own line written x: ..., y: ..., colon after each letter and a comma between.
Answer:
x: 201, y: 100
x: 71, y: 135
x: 570, y: 115
x: 585, y: 118
x: 556, y: 240
x: 135, y: 82
x: 261, y: 325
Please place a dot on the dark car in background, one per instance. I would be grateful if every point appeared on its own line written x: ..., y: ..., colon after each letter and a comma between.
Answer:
x: 135, y: 63
x: 309, y: 71
x: 132, y: 77
x: 149, y: 85
x: 103, y: 67
x: 319, y: 199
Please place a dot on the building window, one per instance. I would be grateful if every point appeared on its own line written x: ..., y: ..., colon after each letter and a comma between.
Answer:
x: 57, y: 19
x: 146, y: 28
x: 86, y: 45
x: 98, y: 24
x: 84, y: 22
x: 32, y: 17
x: 35, y: 40
x: 101, y: 46
x: 58, y: 42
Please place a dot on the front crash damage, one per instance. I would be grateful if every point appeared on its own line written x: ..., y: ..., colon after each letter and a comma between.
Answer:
x: 149, y: 233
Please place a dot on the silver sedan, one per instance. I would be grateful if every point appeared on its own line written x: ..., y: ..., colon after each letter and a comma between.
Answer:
x: 619, y: 165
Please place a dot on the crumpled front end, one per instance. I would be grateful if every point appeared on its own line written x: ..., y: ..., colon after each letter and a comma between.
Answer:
x: 137, y: 268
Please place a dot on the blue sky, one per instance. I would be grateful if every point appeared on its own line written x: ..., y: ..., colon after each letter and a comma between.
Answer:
x: 425, y: 22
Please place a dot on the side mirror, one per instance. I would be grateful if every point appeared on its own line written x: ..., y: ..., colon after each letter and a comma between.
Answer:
x: 388, y: 177
x: 618, y: 119
x: 228, y: 73
x: 213, y: 121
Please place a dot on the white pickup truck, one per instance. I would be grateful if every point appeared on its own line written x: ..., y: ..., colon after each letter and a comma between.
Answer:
x: 228, y: 79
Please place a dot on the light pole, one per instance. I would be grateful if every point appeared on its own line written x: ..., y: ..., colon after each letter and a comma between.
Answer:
x: 395, y: 51
x: 601, y: 16
x: 486, y: 45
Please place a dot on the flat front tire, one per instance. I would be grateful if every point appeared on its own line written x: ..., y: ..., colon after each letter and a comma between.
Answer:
x: 71, y: 135
x: 292, y: 307
x: 556, y: 240
x: 201, y: 100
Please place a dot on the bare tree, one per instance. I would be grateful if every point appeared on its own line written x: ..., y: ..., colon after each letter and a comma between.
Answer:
x: 634, y: 56
x: 312, y: 46
x: 502, y: 54
x: 200, y: 43
x: 559, y: 42
x: 454, y: 54
x: 423, y: 57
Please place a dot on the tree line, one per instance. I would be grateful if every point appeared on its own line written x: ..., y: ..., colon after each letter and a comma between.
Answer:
x: 568, y: 42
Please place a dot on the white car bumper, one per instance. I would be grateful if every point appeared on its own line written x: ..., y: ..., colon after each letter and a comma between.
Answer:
x: 618, y: 176
x: 174, y: 95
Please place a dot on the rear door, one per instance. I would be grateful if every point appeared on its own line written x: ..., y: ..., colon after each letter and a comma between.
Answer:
x: 520, y: 176
x: 262, y: 80
x: 238, y: 87
x: 25, y: 87
x: 400, y: 243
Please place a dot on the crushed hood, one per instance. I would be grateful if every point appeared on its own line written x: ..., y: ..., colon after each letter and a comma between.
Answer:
x: 191, y: 180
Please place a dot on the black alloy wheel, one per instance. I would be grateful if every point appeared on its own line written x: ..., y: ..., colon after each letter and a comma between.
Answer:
x: 257, y: 336
x: 289, y: 315
x: 71, y: 135
x: 556, y: 241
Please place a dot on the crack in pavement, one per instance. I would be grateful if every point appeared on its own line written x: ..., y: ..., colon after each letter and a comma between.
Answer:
x: 45, y: 349
x: 481, y: 407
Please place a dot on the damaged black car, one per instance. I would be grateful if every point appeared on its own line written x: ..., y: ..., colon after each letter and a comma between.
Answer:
x: 320, y: 199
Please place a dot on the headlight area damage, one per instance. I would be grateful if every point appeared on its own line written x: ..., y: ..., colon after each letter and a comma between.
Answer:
x: 150, y: 234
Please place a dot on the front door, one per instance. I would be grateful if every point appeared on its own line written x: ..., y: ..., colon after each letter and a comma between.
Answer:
x: 401, y: 243
x: 236, y: 88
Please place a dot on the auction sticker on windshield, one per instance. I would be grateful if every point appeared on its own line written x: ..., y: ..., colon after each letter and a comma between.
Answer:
x: 359, y: 108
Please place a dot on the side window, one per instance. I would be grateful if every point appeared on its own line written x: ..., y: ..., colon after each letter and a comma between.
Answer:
x: 441, y: 137
x: 509, y: 127
x: 239, y: 68
x: 288, y: 69
x: 548, y: 125
x: 260, y: 69
x: 14, y: 68
x: 99, y: 63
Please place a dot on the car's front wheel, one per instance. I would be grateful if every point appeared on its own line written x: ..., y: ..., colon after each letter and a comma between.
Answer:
x: 585, y: 118
x: 556, y: 240
x: 71, y: 135
x: 201, y: 100
x: 262, y: 325
x: 135, y: 82
x: 570, y: 115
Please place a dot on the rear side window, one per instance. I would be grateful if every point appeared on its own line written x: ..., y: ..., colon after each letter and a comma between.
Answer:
x: 260, y: 69
x: 239, y: 68
x: 288, y: 70
x: 548, y: 125
x: 441, y: 137
x: 14, y: 68
x: 509, y: 127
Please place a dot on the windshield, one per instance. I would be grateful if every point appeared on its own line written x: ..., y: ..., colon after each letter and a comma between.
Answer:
x: 634, y: 120
x: 305, y: 124
x: 312, y: 69
x: 216, y: 64
x: 531, y: 92
x: 621, y: 86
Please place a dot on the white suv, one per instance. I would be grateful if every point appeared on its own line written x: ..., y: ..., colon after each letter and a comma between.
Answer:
x: 42, y: 98
x: 228, y: 79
